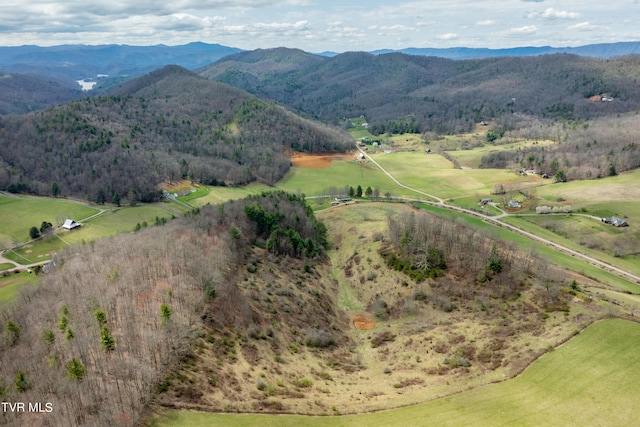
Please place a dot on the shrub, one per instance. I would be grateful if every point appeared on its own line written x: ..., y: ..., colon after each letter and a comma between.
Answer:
x: 381, y: 338
x: 318, y: 338
x: 303, y: 383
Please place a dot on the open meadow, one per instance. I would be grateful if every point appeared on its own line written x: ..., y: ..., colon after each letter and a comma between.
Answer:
x: 101, y: 223
x: 591, y: 380
x: 19, y: 213
x: 434, y: 174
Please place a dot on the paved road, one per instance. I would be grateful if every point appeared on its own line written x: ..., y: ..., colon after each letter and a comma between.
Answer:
x: 497, y: 221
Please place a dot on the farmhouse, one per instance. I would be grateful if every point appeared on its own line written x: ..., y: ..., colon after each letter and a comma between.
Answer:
x: 70, y: 224
x: 615, y: 221
x: 513, y: 204
x: 485, y: 201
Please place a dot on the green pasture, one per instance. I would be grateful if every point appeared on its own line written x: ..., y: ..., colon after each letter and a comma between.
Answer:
x: 109, y: 223
x: 435, y: 175
x: 571, y: 228
x: 6, y: 265
x: 590, y: 380
x: 200, y: 192
x: 217, y: 195
x: 40, y: 250
x: 315, y: 181
x: 19, y: 214
x: 10, y: 284
x: 118, y: 221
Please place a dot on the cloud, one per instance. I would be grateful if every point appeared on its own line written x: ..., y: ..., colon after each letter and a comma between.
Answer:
x: 584, y: 26
x: 447, y: 36
x: 527, y: 29
x: 551, y: 13
x: 486, y: 23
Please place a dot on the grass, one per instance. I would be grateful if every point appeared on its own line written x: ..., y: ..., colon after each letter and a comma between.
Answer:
x: 118, y: 221
x: 591, y: 380
x: 341, y: 173
x: 18, y: 214
x: 435, y: 175
x: 6, y: 266
x: 10, y: 284
x: 110, y: 223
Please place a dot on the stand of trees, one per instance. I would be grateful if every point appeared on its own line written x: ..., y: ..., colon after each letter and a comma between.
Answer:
x: 100, y: 332
x: 590, y: 149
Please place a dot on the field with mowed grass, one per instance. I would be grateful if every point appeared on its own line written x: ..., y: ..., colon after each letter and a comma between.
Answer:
x: 107, y: 224
x: 18, y: 214
x: 590, y: 380
x: 10, y: 284
x: 434, y: 174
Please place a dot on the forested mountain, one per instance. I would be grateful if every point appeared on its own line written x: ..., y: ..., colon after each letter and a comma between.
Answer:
x: 168, y: 125
x: 21, y: 93
x: 435, y: 94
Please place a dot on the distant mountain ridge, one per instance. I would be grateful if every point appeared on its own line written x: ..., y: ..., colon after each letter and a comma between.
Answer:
x: 58, y: 69
x: 601, y: 50
x: 74, y: 62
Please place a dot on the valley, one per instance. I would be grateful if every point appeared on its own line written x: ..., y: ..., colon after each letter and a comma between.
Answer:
x: 307, y: 249
x: 423, y: 349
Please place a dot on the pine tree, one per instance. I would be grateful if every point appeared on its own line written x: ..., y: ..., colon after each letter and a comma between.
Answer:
x: 107, y: 341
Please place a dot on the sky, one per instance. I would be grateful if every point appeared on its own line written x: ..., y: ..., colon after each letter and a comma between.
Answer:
x: 319, y: 26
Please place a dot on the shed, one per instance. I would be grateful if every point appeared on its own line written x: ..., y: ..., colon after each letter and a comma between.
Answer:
x: 70, y: 224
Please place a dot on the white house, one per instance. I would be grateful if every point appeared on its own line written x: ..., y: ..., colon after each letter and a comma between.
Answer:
x: 70, y: 224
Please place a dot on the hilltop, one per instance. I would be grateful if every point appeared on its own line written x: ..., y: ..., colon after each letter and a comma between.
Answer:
x: 168, y: 125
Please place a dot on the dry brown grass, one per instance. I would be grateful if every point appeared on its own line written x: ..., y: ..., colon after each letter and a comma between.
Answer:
x: 425, y: 359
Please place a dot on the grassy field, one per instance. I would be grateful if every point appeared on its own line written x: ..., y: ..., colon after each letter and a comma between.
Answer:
x: 10, y: 284
x: 435, y: 175
x: 18, y: 214
x: 110, y: 223
x: 591, y: 380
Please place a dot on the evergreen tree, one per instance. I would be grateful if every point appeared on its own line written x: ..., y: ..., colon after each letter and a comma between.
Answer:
x: 368, y: 192
x: 106, y: 339
x: 75, y: 370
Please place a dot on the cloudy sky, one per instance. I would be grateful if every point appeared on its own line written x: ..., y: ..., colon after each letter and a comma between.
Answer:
x: 316, y: 25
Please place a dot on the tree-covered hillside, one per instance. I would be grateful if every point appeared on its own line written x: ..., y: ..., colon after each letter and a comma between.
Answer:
x: 168, y: 125
x: 440, y: 95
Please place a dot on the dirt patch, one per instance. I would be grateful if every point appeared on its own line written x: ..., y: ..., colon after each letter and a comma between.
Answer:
x: 313, y: 161
x: 363, y: 321
x: 317, y: 161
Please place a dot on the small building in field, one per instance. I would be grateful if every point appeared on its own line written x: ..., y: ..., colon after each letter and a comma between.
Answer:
x: 70, y: 224
x: 615, y: 221
x: 485, y: 201
x: 513, y: 204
